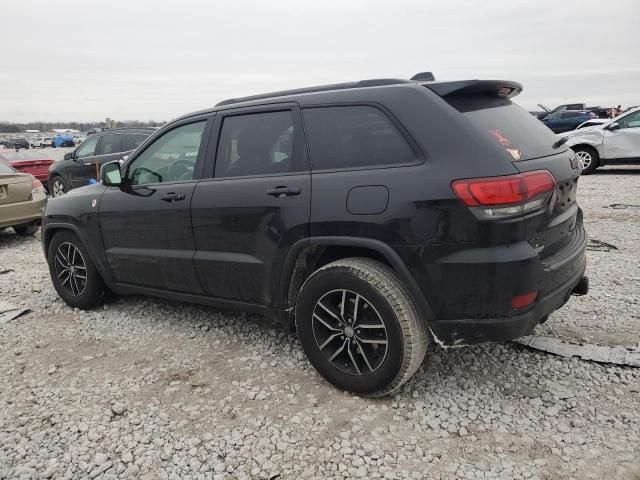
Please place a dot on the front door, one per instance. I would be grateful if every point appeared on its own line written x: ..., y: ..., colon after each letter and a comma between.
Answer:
x: 256, y: 205
x: 146, y: 224
x: 83, y: 163
x: 623, y: 142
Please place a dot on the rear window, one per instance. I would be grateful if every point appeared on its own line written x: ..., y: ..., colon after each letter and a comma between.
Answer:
x: 521, y: 134
x: 22, y: 155
x: 4, y: 168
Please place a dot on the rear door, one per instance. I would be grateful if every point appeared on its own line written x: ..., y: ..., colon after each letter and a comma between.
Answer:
x: 254, y: 205
x: 146, y: 224
x: 623, y: 143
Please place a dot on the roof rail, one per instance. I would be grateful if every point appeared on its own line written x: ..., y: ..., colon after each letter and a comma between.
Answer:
x: 322, y: 88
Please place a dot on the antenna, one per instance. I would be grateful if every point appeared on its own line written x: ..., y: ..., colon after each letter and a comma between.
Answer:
x: 424, y: 77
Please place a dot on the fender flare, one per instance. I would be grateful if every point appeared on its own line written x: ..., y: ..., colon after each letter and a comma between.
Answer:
x: 376, y: 245
x: 49, y: 229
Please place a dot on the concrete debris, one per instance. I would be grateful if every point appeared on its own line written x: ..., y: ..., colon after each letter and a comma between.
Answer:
x: 10, y: 312
x: 600, y: 246
x: 618, y: 355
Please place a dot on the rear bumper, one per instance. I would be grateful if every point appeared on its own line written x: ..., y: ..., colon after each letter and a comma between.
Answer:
x: 470, y: 331
x: 23, y: 212
x: 470, y: 291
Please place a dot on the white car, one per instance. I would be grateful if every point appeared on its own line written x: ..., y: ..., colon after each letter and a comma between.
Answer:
x: 616, y: 141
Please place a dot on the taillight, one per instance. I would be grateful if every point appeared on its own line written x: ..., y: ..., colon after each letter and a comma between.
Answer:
x: 497, y: 197
x: 36, y: 186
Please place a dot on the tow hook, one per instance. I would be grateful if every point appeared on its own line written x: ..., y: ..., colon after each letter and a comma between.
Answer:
x: 582, y: 288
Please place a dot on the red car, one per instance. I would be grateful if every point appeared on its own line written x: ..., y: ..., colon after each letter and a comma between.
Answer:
x: 28, y: 161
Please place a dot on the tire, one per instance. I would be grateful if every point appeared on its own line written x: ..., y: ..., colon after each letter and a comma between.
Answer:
x: 378, y: 358
x: 58, y: 186
x: 589, y: 158
x: 66, y: 249
x: 26, y: 230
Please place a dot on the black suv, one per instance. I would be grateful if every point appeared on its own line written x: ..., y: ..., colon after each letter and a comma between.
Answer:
x: 375, y: 217
x: 84, y: 162
x: 17, y: 143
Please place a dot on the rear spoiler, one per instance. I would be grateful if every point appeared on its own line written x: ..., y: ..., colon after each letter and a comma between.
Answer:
x: 496, y: 88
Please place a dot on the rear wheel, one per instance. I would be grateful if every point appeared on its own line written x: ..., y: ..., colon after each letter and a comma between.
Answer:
x: 588, y: 157
x: 58, y: 187
x: 25, y: 230
x: 73, y: 274
x: 359, y: 326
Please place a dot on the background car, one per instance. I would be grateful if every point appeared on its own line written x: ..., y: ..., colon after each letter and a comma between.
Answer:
x: 592, y: 123
x: 63, y: 141
x: 616, y: 141
x: 17, y: 143
x: 34, y: 163
x: 568, y: 120
x: 22, y: 200
x: 84, y: 162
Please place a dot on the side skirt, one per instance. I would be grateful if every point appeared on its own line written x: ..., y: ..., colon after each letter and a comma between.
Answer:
x: 222, y: 303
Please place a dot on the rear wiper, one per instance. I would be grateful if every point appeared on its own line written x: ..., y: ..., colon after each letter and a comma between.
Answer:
x: 560, y: 142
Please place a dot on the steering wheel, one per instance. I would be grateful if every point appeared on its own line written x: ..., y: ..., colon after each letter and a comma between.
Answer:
x: 181, y: 170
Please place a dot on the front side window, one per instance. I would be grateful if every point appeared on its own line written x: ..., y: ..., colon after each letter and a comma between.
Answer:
x: 256, y: 144
x: 87, y: 149
x: 170, y: 158
x: 354, y: 137
x: 630, y: 121
x: 110, y: 144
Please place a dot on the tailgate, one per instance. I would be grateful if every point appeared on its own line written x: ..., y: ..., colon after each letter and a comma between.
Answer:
x: 14, y: 188
x: 554, y: 228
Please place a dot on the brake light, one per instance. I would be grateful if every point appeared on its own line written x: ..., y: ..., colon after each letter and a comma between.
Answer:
x: 507, y: 195
x: 36, y: 186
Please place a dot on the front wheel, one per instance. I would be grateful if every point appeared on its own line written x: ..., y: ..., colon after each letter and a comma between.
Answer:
x: 589, y: 159
x: 74, y: 276
x: 58, y: 186
x: 359, y: 326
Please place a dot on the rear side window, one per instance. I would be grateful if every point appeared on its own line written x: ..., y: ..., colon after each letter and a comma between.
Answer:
x: 354, y: 137
x: 130, y: 141
x: 521, y: 134
x: 256, y: 144
x: 110, y: 144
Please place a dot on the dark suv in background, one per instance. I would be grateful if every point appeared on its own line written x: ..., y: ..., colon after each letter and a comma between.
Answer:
x: 83, y: 164
x: 376, y: 217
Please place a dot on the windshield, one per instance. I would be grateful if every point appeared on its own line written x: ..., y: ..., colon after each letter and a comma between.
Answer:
x: 522, y: 135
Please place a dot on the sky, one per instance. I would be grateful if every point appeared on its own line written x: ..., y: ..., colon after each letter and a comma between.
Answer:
x: 72, y: 60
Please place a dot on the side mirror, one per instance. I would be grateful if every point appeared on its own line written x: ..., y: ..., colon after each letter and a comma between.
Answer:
x: 614, y: 126
x: 110, y: 174
x: 68, y: 156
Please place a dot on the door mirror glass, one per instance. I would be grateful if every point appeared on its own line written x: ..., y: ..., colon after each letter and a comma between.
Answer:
x: 614, y: 126
x: 110, y: 174
x: 68, y: 156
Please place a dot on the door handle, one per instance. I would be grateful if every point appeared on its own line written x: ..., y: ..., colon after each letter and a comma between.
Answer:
x: 172, y: 197
x: 283, y: 191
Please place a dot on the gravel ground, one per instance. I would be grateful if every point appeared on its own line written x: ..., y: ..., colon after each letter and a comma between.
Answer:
x: 150, y: 389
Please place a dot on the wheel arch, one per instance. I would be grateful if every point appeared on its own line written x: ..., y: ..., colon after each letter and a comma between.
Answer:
x: 307, y: 255
x: 50, y: 229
